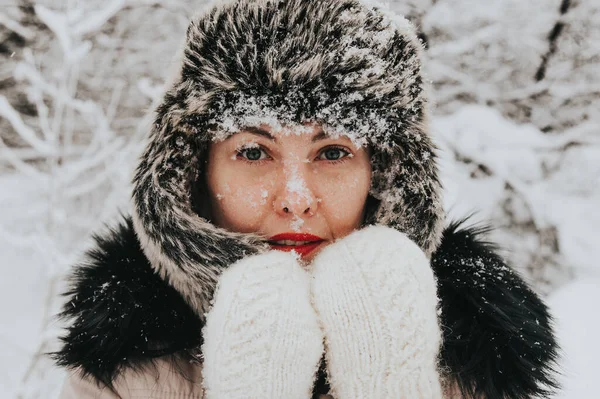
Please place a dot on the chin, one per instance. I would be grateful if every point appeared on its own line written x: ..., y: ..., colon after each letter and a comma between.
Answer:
x: 306, y: 253
x: 307, y: 259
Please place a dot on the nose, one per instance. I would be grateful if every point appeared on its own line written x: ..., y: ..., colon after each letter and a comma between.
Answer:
x: 296, y: 197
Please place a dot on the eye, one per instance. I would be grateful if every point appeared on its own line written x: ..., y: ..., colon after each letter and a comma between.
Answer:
x: 333, y: 154
x: 252, y: 154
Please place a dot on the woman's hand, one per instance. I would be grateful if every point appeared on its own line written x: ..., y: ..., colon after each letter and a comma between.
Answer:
x: 262, y: 338
x: 375, y: 294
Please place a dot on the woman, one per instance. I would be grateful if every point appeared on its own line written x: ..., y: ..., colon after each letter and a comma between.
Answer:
x: 290, y: 164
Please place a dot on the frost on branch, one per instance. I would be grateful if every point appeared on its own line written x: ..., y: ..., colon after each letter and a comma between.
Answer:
x: 536, y: 61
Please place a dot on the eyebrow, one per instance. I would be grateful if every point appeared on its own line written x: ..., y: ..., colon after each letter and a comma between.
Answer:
x: 258, y: 131
x: 261, y: 132
x: 320, y: 136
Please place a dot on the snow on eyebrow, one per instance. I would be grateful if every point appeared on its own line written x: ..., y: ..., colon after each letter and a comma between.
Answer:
x: 249, y: 144
x: 245, y: 146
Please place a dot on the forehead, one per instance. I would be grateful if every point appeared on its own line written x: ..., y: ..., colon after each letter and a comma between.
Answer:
x: 309, y: 132
x: 278, y: 131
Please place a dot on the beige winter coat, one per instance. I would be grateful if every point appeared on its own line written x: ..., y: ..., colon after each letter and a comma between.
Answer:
x: 168, y: 380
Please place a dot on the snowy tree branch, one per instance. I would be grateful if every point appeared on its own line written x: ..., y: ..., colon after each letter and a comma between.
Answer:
x: 25, y: 132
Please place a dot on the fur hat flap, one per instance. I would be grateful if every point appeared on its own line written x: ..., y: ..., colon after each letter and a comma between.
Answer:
x: 350, y: 67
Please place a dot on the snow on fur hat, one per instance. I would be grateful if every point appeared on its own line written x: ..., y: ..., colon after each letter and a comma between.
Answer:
x: 340, y: 63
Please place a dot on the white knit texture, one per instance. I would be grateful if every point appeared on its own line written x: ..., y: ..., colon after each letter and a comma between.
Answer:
x: 262, y: 338
x: 375, y: 294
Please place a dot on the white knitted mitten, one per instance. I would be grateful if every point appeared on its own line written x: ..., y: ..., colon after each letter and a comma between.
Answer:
x: 262, y: 338
x: 375, y: 294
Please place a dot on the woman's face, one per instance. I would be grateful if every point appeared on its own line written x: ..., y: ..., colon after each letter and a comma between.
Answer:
x: 288, y: 186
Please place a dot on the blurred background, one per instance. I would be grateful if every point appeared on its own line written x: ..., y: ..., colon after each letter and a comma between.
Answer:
x: 516, y: 115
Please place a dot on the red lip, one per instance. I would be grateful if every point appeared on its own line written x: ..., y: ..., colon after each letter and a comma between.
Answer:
x: 295, y: 237
x: 303, y: 250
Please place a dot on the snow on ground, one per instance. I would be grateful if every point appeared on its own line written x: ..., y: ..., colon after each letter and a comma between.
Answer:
x: 23, y: 290
x: 575, y: 307
x: 26, y: 298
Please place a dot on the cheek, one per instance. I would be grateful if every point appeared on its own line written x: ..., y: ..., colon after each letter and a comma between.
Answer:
x: 241, y: 204
x: 343, y: 201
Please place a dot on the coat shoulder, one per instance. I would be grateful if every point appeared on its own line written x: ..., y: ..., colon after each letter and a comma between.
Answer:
x: 122, y: 314
x: 498, y: 335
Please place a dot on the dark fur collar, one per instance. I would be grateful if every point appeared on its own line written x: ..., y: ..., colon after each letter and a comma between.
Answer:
x: 498, y: 338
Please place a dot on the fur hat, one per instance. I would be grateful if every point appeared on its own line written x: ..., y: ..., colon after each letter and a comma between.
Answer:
x: 340, y: 63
